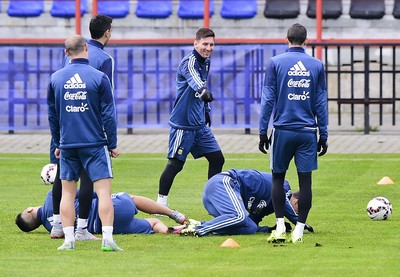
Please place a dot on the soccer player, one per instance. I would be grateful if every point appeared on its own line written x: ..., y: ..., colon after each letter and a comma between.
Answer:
x: 100, y: 32
x: 295, y: 88
x: 190, y: 117
x: 126, y: 206
x: 83, y: 124
x: 239, y: 200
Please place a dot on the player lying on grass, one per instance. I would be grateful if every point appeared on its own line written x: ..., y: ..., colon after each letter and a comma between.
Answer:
x: 125, y: 208
x: 239, y: 199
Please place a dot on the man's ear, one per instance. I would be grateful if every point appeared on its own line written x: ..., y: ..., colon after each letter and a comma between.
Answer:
x: 67, y: 53
x: 107, y: 33
x: 29, y: 210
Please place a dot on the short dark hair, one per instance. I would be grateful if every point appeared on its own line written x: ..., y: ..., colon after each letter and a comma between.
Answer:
x: 204, y: 33
x: 27, y: 225
x: 99, y: 24
x: 296, y: 194
x: 297, y: 34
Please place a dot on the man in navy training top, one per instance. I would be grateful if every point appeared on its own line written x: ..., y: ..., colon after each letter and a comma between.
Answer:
x: 190, y: 115
x: 239, y: 200
x: 83, y: 124
x: 100, y: 31
x: 295, y: 89
x: 125, y: 208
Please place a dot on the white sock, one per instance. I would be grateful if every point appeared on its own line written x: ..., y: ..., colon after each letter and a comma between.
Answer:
x: 57, y: 220
x: 82, y: 223
x: 69, y: 233
x: 162, y: 199
x: 298, y: 230
x: 108, y: 232
x: 280, y: 225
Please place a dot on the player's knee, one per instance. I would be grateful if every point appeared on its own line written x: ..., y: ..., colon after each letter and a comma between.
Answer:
x: 175, y: 165
x: 240, y: 217
x: 216, y: 159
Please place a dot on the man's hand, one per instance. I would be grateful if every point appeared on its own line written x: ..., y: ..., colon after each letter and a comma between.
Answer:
x: 322, y: 144
x: 263, y: 145
x: 114, y: 153
x: 206, y: 95
x: 57, y: 153
x: 208, y: 119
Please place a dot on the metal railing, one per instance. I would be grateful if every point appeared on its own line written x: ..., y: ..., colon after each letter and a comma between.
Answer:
x: 362, y: 75
x: 362, y: 79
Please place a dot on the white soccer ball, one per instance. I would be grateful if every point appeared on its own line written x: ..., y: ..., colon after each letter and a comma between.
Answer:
x: 48, y: 174
x: 379, y: 208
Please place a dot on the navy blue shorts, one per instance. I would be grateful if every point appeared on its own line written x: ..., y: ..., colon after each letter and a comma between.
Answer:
x: 95, y: 160
x: 198, y: 143
x: 286, y: 144
x: 124, y: 212
x: 124, y: 217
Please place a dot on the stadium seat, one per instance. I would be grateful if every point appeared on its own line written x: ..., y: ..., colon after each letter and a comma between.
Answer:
x: 193, y: 9
x: 396, y: 9
x: 66, y: 8
x: 115, y: 9
x: 331, y: 9
x: 238, y: 9
x: 282, y: 9
x: 153, y: 8
x: 367, y: 9
x: 19, y: 8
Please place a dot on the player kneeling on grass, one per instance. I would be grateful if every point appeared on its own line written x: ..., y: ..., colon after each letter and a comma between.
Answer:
x: 239, y: 199
x: 125, y: 208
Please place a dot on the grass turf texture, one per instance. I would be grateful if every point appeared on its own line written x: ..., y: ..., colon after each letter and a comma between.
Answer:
x: 351, y: 243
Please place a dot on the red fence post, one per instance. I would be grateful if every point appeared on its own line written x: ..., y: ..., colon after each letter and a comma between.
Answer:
x: 78, y: 19
x: 95, y: 8
x: 206, y: 13
x: 318, y: 9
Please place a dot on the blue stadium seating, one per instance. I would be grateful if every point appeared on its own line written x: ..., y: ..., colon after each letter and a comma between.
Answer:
x: 193, y: 9
x: 238, y: 9
x: 396, y: 9
x: 115, y: 9
x: 66, y: 8
x: 367, y: 9
x: 19, y: 8
x: 153, y: 8
x: 331, y: 9
x: 282, y: 9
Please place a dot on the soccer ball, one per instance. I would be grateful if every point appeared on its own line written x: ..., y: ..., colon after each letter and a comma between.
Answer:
x: 48, y: 174
x: 379, y: 208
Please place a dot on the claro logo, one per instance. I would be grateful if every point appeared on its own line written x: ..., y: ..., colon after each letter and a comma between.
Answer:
x: 299, y: 97
x: 77, y: 109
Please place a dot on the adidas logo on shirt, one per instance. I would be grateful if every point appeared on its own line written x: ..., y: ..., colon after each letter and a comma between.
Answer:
x: 298, y: 69
x: 74, y: 82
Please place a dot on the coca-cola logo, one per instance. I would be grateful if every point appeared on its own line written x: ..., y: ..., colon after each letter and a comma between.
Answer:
x: 80, y: 95
x: 303, y: 83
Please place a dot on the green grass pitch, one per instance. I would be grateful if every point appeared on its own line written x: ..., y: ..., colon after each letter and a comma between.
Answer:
x: 350, y: 243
